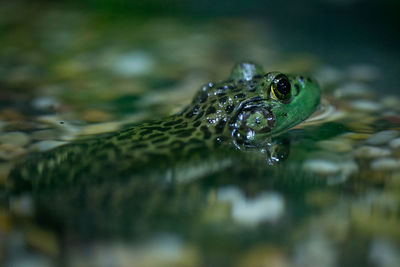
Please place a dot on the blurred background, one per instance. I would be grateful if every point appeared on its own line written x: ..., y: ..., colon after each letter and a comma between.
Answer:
x: 336, y: 31
x: 77, y: 69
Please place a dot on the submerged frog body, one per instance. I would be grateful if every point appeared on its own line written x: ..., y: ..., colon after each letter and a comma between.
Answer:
x: 244, y: 111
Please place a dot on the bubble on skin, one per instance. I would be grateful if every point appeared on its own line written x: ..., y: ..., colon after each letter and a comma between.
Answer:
x: 250, y: 135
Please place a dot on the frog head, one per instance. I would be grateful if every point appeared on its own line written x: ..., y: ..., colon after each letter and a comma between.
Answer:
x: 251, y: 105
x: 279, y: 102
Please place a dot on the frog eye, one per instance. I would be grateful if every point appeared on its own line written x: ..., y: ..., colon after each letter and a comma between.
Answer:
x: 281, y: 88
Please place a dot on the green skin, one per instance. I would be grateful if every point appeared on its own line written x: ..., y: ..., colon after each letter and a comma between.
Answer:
x: 240, y: 112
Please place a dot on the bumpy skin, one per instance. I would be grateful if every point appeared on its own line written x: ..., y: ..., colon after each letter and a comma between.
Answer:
x: 242, y: 111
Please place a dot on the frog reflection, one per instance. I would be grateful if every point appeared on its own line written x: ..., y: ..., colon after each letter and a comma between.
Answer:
x: 161, y: 199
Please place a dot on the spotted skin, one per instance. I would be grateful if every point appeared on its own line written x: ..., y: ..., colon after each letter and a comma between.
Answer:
x: 240, y: 112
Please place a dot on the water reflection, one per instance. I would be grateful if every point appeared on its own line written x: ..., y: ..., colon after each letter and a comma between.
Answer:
x: 121, y: 201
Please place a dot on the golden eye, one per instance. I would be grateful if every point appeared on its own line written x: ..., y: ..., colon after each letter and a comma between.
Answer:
x: 281, y: 88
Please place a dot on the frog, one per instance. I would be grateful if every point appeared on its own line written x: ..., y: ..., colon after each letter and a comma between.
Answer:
x: 244, y: 112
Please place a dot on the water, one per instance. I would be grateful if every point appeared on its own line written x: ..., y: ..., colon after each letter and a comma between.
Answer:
x: 72, y: 73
